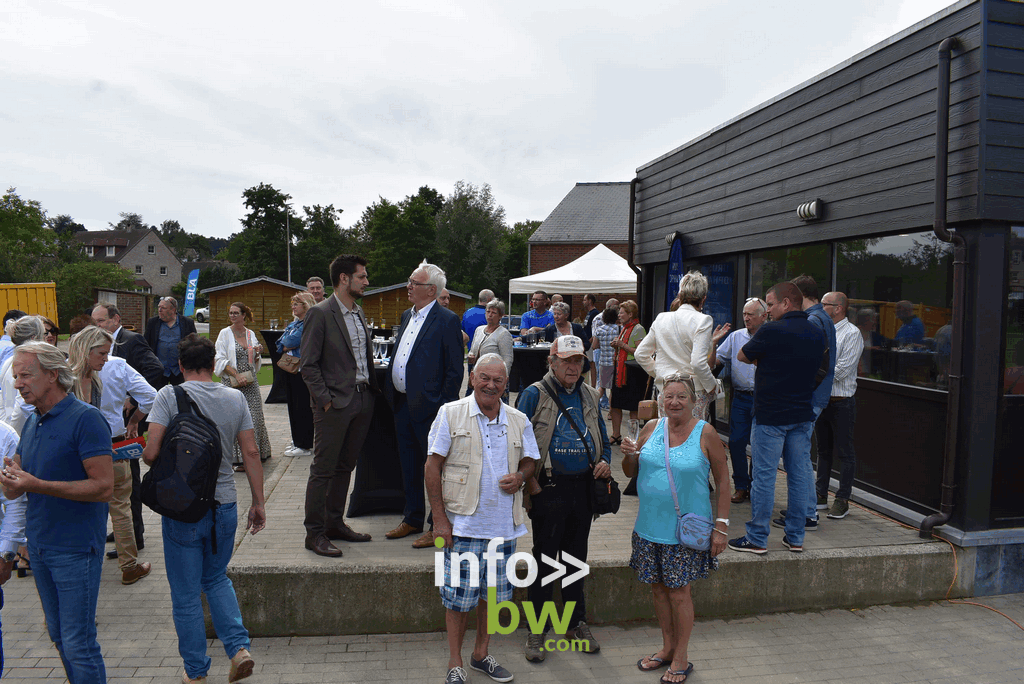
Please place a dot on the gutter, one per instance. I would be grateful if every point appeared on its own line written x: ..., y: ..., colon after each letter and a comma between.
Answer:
x: 629, y: 244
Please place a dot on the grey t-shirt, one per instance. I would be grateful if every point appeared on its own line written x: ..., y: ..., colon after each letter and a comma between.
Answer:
x: 223, y: 405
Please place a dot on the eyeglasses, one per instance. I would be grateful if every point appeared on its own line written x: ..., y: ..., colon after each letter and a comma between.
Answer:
x: 51, y: 331
x: 828, y: 304
x: 413, y: 283
x: 761, y: 303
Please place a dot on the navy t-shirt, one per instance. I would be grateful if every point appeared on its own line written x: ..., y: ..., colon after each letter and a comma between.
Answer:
x: 788, y: 354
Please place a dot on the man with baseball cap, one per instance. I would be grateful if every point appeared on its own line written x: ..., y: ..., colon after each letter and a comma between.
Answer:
x: 574, y: 450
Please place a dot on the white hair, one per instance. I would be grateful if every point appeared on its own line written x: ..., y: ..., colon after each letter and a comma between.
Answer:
x: 489, y: 359
x: 435, y: 276
x: 50, y: 359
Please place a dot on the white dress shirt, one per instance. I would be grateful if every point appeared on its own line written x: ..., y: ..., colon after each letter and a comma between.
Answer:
x: 849, y: 345
x: 412, y: 331
x: 119, y: 381
x: 12, y: 512
x: 679, y: 342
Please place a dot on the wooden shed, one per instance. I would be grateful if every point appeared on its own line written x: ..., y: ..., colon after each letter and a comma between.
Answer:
x: 385, y: 305
x: 268, y: 298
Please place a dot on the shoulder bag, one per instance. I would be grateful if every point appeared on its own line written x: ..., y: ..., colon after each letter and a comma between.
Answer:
x: 693, y: 531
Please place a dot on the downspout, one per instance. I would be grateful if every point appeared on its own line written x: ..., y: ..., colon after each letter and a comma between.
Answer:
x: 629, y: 246
x: 959, y: 275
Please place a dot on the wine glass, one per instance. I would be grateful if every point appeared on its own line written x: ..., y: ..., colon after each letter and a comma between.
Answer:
x: 632, y: 431
x: 376, y: 348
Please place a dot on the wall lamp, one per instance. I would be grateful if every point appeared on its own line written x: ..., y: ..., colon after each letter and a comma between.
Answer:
x: 671, y: 237
x: 811, y: 211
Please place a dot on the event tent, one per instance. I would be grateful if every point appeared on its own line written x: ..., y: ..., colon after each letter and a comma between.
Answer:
x: 599, y: 270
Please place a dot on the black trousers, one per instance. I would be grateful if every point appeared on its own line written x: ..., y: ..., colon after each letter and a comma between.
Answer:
x: 136, y: 502
x: 300, y: 414
x: 561, y: 518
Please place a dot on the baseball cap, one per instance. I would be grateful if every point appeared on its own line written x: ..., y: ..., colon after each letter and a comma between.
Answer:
x: 569, y: 345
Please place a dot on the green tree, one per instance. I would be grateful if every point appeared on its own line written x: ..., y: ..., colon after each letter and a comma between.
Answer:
x: 76, y: 283
x: 322, y: 240
x: 129, y: 221
x: 62, y: 224
x: 470, y: 228
x: 399, y: 236
x: 262, y: 244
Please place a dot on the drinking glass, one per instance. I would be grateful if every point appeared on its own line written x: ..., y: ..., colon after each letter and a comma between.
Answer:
x: 632, y: 431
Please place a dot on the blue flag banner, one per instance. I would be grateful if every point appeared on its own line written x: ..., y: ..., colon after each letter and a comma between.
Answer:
x: 190, y: 294
x: 675, y: 272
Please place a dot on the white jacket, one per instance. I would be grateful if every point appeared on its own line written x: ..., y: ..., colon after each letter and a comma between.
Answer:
x: 679, y: 342
x: 226, y: 350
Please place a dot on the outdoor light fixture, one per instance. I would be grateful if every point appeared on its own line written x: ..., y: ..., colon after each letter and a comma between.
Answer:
x: 671, y: 237
x: 811, y: 211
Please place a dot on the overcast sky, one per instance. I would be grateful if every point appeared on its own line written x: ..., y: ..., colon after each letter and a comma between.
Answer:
x: 172, y: 111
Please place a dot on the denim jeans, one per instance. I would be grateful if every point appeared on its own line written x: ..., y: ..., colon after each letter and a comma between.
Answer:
x: 812, y: 494
x: 768, y: 443
x: 193, y: 569
x: 834, y: 430
x: 740, y: 417
x: 69, y: 584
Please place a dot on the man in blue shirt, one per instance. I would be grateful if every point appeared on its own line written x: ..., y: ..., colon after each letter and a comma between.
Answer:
x: 64, y: 465
x: 539, y: 317
x: 562, y: 491
x: 912, y: 330
x: 788, y: 352
x: 816, y: 314
x: 475, y: 317
x: 6, y: 345
x: 163, y: 333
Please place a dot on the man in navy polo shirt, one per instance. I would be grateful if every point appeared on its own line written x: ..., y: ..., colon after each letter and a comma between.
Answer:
x: 64, y: 465
x: 788, y: 352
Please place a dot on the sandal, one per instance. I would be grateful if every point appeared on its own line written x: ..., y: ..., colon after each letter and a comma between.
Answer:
x: 615, y: 440
x: 661, y: 662
x: 670, y: 672
x: 22, y: 566
x: 239, y: 467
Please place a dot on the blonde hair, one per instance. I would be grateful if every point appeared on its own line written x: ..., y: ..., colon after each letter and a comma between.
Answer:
x: 78, y: 356
x: 693, y: 288
x: 50, y: 359
x: 305, y: 299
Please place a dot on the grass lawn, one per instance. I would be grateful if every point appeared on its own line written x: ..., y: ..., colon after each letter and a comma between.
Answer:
x: 265, y: 376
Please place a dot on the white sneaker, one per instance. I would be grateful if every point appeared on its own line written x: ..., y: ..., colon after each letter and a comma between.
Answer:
x: 297, y: 452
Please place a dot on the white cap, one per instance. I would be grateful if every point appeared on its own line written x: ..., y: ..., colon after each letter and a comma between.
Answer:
x: 569, y: 345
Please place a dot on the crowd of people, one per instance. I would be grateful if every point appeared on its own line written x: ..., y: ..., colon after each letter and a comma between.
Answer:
x: 474, y: 469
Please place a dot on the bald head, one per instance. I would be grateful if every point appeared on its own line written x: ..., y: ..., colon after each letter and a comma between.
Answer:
x: 835, y: 305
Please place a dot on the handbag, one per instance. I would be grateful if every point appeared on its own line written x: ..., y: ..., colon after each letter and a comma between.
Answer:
x: 289, y: 363
x: 606, y: 494
x: 234, y: 379
x: 648, y: 408
x: 692, y: 530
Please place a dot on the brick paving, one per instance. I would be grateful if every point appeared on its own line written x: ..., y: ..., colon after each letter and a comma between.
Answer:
x: 928, y: 642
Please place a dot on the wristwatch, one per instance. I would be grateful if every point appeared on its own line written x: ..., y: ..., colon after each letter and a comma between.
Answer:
x: 8, y: 556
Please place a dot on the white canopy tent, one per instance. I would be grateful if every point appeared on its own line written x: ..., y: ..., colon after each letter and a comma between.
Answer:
x: 599, y: 270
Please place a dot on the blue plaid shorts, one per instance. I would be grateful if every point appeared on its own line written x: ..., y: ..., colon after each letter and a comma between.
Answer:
x: 464, y: 598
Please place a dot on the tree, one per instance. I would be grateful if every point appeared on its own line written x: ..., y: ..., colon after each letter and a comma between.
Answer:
x: 63, y: 224
x: 322, y: 240
x: 129, y: 221
x: 470, y: 228
x: 400, y: 236
x: 261, y: 248
x: 515, y: 249
x: 180, y: 242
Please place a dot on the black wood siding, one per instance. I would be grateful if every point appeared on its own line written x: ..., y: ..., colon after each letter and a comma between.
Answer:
x: 861, y: 138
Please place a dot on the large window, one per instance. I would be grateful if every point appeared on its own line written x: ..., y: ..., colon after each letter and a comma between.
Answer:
x: 900, y: 290
x: 774, y: 266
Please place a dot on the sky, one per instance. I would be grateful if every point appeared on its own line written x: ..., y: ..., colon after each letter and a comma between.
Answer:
x: 171, y: 111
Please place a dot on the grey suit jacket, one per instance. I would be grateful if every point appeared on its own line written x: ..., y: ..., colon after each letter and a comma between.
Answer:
x: 328, y: 362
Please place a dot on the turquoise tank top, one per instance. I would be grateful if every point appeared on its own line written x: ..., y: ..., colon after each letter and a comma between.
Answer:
x: 656, y: 518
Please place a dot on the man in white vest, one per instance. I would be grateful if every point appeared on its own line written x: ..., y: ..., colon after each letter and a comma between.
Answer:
x: 481, y: 452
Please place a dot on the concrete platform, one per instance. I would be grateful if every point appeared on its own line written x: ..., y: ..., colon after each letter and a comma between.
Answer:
x: 864, y: 559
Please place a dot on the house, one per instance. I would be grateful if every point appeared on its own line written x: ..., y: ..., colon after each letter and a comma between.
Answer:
x: 591, y: 214
x: 139, y: 251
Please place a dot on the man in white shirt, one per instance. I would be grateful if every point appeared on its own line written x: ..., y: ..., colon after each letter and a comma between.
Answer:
x: 12, y: 521
x: 834, y: 427
x: 478, y: 434
x: 741, y: 413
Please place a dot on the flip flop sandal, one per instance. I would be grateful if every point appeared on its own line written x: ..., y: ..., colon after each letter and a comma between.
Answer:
x: 670, y: 672
x: 615, y: 440
x: 661, y: 662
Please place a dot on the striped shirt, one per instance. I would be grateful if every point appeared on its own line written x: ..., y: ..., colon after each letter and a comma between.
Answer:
x: 605, y: 334
x: 849, y: 345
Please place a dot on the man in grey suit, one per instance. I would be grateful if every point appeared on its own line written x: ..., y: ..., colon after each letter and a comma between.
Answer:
x: 337, y: 366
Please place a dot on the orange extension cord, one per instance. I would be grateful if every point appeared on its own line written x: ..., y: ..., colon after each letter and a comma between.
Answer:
x: 956, y: 566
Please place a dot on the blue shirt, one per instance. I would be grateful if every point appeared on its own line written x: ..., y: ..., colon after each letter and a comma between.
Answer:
x: 167, y: 347
x: 911, y: 332
x: 788, y: 354
x: 530, y: 319
x: 656, y: 517
x: 741, y: 374
x: 566, y: 454
x: 471, y: 320
x: 53, y: 447
x: 291, y: 338
x: 6, y: 349
x: 818, y: 316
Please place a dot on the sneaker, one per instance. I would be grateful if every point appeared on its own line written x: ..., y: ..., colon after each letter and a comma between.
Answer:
x: 822, y: 503
x: 810, y: 524
x: 456, y: 675
x: 840, y: 509
x: 535, y: 648
x: 795, y: 548
x: 744, y: 544
x: 185, y: 679
x: 241, y: 665
x: 582, y: 634
x: 490, y: 667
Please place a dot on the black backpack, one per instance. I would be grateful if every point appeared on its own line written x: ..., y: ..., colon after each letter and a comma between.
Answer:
x: 183, y: 480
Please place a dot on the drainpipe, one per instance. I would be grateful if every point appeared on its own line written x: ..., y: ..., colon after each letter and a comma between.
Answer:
x: 629, y: 246
x: 959, y: 275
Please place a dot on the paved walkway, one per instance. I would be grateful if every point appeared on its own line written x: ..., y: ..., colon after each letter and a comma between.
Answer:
x: 931, y: 642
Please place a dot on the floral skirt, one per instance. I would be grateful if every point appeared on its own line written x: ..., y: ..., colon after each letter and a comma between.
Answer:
x: 673, y: 565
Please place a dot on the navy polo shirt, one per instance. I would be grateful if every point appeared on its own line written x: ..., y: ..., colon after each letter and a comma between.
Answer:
x: 788, y: 354
x: 53, y: 447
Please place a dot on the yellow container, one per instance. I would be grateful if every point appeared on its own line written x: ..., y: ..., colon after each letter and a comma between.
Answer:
x: 38, y: 299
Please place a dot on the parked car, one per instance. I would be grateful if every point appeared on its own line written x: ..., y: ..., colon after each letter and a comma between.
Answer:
x: 510, y: 321
x: 203, y: 315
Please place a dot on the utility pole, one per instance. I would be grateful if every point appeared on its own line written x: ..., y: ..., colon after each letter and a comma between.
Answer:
x: 288, y: 244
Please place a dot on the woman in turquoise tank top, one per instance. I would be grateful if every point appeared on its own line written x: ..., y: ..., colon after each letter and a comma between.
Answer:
x: 695, y: 449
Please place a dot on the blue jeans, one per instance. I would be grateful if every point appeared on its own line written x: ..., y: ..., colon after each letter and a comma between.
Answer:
x: 792, y: 443
x: 194, y: 569
x: 812, y: 493
x: 741, y: 415
x: 69, y: 584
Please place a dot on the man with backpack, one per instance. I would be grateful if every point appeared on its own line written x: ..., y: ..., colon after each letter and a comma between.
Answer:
x: 197, y: 552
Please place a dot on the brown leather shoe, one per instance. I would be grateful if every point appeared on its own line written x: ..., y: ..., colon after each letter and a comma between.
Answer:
x: 740, y: 496
x: 346, y: 533
x: 133, y: 575
x: 322, y: 546
x: 403, y: 530
x: 425, y: 541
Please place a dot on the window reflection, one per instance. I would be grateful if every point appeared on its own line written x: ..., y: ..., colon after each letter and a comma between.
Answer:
x: 900, y: 290
x: 774, y: 266
x: 1013, y: 375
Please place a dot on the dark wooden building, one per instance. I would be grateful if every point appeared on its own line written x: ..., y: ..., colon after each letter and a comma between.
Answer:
x: 862, y: 139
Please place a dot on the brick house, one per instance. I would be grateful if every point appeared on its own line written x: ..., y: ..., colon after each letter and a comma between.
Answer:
x: 139, y: 251
x: 590, y: 214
